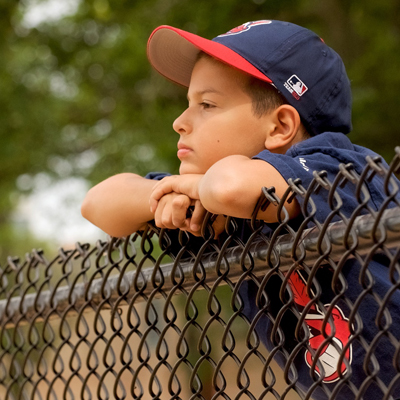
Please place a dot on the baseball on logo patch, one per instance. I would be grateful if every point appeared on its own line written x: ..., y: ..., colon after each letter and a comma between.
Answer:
x: 245, y: 27
x: 296, y: 86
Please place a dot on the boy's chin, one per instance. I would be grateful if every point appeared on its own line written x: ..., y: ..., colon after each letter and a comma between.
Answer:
x: 186, y: 168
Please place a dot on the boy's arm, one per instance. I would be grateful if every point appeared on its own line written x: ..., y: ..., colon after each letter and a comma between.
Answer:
x: 120, y: 204
x: 231, y: 186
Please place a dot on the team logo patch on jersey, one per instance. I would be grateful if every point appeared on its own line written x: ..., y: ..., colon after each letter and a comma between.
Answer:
x: 295, y: 86
x: 245, y: 27
x: 332, y: 363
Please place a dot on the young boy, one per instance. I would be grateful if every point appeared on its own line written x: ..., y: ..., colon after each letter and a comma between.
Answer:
x: 238, y: 114
x: 268, y: 101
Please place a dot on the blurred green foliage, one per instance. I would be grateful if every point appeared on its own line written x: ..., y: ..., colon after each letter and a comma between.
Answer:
x: 78, y: 97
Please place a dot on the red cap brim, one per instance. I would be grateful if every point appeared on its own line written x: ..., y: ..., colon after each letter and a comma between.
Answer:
x: 173, y: 53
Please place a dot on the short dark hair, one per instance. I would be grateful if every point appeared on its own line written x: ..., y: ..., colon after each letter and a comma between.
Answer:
x: 264, y: 96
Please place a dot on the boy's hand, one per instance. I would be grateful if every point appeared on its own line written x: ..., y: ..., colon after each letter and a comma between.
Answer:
x: 182, y: 184
x: 171, y: 200
x: 172, y: 213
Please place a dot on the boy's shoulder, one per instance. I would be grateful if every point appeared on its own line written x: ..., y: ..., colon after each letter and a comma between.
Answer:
x: 327, y: 152
x: 328, y: 149
x: 335, y: 144
x: 324, y: 151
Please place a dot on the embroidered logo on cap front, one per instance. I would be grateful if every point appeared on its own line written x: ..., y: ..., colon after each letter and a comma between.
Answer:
x: 245, y: 27
x: 296, y: 86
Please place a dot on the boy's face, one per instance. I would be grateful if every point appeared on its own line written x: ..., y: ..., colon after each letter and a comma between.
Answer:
x: 219, y: 120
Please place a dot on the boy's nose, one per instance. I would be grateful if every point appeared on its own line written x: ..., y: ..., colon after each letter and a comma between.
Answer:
x: 182, y: 125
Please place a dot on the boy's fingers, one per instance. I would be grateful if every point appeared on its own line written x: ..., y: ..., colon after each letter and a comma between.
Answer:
x: 163, y: 215
x: 180, y: 206
x: 184, y: 184
x: 179, y: 211
x: 153, y: 202
x: 166, y: 185
x: 197, y: 216
x: 159, y: 190
x: 158, y: 216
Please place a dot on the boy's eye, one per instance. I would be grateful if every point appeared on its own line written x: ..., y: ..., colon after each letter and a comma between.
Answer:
x: 206, y: 105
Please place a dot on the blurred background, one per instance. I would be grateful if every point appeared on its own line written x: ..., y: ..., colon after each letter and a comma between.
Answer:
x: 79, y: 101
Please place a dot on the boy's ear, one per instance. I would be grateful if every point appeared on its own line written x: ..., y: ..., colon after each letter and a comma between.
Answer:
x: 286, y: 125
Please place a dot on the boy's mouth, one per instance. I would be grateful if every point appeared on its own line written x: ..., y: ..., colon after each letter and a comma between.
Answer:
x: 183, y: 151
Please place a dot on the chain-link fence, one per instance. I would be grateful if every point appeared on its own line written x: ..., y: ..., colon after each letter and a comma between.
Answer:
x: 301, y: 309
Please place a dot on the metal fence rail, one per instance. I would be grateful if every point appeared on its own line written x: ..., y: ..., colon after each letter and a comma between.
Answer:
x: 302, y: 310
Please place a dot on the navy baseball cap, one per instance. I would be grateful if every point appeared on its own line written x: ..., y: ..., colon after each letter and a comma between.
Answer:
x: 308, y: 73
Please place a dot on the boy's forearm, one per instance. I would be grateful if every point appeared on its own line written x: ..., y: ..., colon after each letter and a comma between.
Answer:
x: 120, y: 204
x: 221, y: 193
x: 233, y: 185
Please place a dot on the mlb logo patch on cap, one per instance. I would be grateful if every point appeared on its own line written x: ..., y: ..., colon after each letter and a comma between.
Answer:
x: 296, y: 86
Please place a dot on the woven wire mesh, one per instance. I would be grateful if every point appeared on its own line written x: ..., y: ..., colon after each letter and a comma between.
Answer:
x: 164, y: 315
